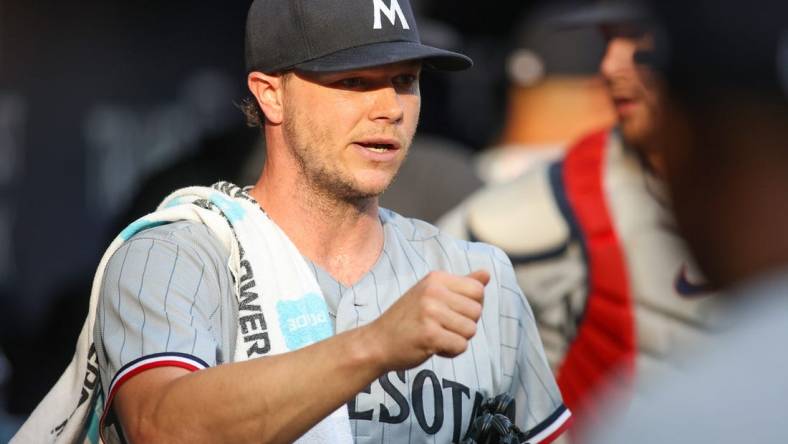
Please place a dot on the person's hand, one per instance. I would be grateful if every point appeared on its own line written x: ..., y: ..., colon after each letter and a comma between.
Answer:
x: 437, y: 316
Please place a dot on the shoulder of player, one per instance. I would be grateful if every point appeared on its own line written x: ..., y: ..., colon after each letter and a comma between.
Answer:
x: 522, y: 217
x: 185, y: 239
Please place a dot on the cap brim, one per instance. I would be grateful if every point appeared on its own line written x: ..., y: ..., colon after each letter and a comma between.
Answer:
x: 601, y: 14
x: 385, y: 53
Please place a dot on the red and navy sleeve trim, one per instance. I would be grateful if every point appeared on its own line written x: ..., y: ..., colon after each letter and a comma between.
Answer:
x: 551, y: 428
x: 133, y: 368
x: 137, y: 366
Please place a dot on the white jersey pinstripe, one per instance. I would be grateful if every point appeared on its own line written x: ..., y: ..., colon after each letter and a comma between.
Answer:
x: 167, y: 297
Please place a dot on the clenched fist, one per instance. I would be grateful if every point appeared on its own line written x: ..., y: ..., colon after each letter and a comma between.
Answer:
x: 437, y: 316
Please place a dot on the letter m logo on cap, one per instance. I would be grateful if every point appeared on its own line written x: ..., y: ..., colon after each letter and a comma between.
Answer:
x: 391, y: 13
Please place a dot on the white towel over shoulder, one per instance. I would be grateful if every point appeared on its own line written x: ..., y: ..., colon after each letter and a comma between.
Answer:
x: 294, y: 308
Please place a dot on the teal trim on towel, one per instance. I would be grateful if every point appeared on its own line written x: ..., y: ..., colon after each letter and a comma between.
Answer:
x: 139, y: 225
x: 175, y: 202
x: 231, y: 209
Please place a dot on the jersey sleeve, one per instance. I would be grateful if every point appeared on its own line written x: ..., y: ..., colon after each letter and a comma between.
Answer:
x: 162, y: 303
x: 540, y: 411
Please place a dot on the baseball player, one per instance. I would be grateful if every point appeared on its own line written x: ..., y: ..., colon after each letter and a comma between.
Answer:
x: 614, y: 291
x: 724, y: 133
x: 423, y: 329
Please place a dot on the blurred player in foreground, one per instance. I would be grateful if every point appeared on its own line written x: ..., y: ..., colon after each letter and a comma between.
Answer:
x: 725, y: 131
x: 298, y: 306
x: 613, y: 288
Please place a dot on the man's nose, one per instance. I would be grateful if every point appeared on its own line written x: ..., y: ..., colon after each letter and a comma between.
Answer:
x: 619, y: 56
x: 387, y: 105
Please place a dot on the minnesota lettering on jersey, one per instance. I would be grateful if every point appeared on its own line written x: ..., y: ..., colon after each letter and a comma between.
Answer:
x: 430, y: 422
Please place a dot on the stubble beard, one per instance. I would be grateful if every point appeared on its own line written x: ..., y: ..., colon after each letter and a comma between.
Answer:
x: 640, y: 131
x: 321, y: 181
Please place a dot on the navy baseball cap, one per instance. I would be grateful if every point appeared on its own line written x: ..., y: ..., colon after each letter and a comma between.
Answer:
x: 556, y: 51
x: 338, y: 35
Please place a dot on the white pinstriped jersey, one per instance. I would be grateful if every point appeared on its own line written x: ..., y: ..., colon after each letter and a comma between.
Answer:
x: 167, y: 295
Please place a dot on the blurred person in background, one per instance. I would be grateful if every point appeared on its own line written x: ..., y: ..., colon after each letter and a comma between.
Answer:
x: 555, y: 93
x: 725, y: 132
x: 614, y: 290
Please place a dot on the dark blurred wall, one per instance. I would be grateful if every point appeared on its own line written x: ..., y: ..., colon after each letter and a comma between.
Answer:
x: 95, y: 94
x: 12, y: 120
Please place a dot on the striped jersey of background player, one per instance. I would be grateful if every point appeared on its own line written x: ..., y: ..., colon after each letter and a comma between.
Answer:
x: 615, y: 291
x: 426, y: 326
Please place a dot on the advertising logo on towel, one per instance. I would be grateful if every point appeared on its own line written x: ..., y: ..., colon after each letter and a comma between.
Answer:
x: 304, y: 321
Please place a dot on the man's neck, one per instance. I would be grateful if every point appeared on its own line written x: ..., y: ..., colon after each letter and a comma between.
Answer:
x: 343, y: 238
x: 650, y: 154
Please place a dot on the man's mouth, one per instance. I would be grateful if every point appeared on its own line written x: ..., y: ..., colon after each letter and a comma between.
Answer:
x: 624, y: 105
x: 379, y: 146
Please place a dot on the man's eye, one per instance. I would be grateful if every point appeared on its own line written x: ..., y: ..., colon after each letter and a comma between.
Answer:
x: 352, y: 82
x: 405, y: 80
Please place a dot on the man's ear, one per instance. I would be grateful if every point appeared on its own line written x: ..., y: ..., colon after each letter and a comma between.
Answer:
x: 268, y: 90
